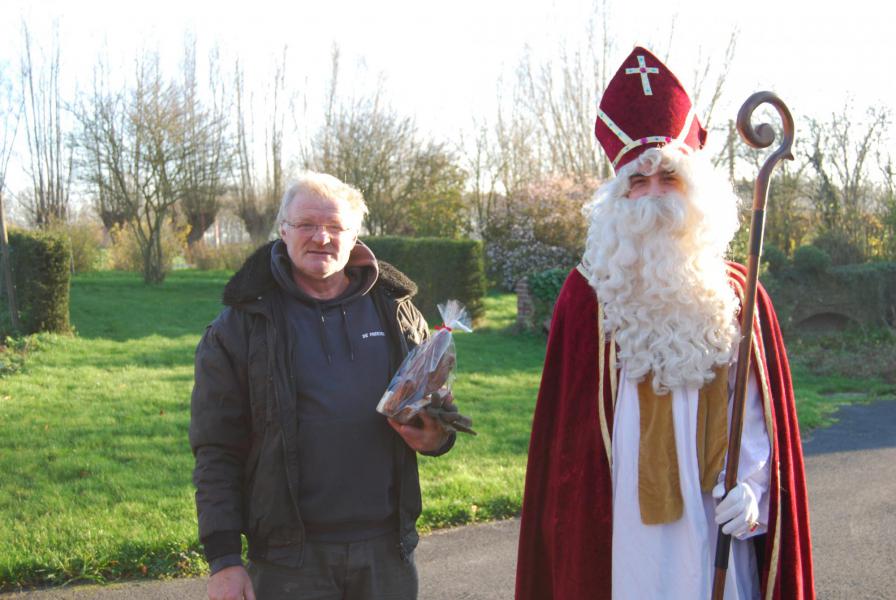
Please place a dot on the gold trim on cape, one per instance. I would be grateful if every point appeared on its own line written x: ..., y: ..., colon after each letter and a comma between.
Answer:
x: 601, y: 409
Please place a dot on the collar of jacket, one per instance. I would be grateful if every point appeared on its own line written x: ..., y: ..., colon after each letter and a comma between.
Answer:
x: 254, y: 280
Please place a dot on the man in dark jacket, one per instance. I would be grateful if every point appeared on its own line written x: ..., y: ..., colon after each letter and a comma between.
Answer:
x: 290, y: 451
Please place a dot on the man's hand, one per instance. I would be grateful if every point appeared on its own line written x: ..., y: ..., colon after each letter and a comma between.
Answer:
x: 232, y: 583
x: 739, y: 511
x: 423, y: 435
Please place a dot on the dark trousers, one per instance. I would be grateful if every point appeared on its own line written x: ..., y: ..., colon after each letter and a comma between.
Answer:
x: 368, y: 570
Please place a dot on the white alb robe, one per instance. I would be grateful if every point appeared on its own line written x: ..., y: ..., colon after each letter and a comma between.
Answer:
x: 675, y: 561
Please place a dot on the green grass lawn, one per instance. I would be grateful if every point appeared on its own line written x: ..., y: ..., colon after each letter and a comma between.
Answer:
x: 819, y: 396
x: 93, y: 436
x: 94, y: 454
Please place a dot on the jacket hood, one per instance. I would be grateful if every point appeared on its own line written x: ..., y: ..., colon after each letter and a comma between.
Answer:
x: 255, y: 278
x: 361, y: 270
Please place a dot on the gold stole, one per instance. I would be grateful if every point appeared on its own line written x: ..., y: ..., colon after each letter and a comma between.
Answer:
x: 659, y: 492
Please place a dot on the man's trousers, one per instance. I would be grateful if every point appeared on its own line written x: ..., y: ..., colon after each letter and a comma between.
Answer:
x: 368, y: 570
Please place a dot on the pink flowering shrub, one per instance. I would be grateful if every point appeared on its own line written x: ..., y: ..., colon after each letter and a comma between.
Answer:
x: 537, y: 228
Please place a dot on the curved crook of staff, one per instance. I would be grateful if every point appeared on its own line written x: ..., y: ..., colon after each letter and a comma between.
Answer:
x: 759, y: 137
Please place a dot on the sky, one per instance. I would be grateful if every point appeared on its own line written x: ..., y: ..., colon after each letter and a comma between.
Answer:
x: 442, y: 61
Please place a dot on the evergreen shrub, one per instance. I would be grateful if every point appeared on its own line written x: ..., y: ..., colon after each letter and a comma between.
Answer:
x: 775, y: 259
x: 41, y: 277
x: 442, y: 268
x: 811, y: 260
x: 544, y: 287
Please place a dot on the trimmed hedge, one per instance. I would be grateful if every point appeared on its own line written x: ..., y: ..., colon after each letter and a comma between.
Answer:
x: 442, y: 269
x: 874, y: 285
x: 41, y: 276
x: 864, y: 294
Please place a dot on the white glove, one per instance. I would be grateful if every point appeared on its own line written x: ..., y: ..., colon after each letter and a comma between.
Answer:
x: 739, y: 511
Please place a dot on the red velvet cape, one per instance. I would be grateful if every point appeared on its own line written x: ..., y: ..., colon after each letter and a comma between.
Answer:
x: 565, y: 548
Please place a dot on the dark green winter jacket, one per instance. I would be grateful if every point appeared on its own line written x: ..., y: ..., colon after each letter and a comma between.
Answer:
x: 244, y: 424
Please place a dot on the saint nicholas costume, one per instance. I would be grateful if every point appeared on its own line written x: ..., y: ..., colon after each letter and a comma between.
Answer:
x: 618, y: 479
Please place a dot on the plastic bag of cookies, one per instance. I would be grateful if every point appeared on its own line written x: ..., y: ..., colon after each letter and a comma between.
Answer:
x: 423, y: 381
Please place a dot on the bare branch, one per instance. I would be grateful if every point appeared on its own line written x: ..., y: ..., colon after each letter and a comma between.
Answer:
x: 49, y: 159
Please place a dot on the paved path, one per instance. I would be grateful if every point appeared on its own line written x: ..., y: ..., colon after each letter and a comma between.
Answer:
x: 850, y: 468
x: 467, y: 563
x: 851, y: 473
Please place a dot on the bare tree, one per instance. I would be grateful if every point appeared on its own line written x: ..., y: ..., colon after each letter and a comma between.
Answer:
x: 483, y: 196
x: 542, y: 130
x: 840, y: 152
x: 560, y: 98
x: 141, y: 144
x: 789, y: 219
x: 50, y: 164
x: 502, y: 160
x: 205, y: 169
x: 258, y: 190
x: 791, y: 215
x: 403, y: 177
x: 551, y: 118
x: 710, y: 77
x: 259, y: 187
x: 104, y: 161
x: 162, y: 145
x: 516, y: 156
x: 888, y: 202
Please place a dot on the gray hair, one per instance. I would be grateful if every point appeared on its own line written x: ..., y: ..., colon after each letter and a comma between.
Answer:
x: 323, y: 186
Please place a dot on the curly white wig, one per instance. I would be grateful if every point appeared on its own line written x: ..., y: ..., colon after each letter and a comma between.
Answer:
x: 657, y: 265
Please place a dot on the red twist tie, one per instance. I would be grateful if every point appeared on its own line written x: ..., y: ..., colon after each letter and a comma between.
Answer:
x: 443, y: 326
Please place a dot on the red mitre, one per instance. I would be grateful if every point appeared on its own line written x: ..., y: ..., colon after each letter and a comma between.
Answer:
x: 645, y: 106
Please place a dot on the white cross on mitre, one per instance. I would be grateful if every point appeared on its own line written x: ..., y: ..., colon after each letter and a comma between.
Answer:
x: 643, y: 70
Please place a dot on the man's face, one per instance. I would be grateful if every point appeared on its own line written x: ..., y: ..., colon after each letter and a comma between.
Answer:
x: 319, y: 234
x: 657, y: 185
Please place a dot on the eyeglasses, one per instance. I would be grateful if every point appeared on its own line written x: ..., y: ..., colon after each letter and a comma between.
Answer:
x: 313, y: 228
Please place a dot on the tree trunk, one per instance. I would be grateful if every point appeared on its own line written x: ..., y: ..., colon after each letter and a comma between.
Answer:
x: 153, y: 266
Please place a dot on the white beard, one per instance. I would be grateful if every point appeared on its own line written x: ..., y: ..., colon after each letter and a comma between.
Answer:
x: 657, y: 266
